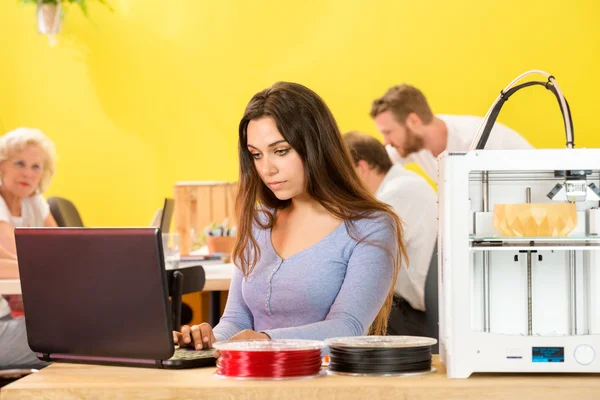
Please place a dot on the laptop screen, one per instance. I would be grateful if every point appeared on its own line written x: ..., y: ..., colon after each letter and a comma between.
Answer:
x: 95, y: 292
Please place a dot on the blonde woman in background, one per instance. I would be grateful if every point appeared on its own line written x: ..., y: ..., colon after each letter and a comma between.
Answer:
x: 27, y: 164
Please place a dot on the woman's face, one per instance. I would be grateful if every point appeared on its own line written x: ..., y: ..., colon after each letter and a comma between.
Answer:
x: 21, y: 173
x: 277, y: 163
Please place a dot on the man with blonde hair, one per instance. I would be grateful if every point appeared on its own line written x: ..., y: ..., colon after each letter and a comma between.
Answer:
x: 415, y: 202
x: 412, y: 133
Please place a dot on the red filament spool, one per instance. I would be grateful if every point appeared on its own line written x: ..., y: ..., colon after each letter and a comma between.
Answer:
x: 269, y: 359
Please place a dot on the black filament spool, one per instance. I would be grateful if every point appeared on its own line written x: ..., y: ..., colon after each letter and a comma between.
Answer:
x: 379, y: 360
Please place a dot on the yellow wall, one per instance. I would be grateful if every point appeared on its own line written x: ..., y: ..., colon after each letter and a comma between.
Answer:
x: 152, y: 93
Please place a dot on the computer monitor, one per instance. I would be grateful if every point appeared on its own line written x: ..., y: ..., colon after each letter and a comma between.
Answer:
x: 167, y: 215
x: 163, y: 216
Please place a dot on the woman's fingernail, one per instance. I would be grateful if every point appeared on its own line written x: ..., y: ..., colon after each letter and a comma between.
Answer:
x: 187, y: 340
x: 205, y: 339
x: 198, y: 346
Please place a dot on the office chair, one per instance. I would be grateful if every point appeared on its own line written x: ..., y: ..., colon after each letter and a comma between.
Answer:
x: 64, y: 212
x: 188, y: 279
x: 429, y: 326
x: 431, y: 300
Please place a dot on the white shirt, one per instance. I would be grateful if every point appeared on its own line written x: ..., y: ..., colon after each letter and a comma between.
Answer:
x: 461, y: 131
x: 415, y: 202
x: 34, y: 211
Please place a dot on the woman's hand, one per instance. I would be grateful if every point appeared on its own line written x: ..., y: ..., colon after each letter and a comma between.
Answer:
x: 249, y: 334
x: 199, y: 336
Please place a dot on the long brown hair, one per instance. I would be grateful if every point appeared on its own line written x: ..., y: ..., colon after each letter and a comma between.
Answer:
x: 305, y: 121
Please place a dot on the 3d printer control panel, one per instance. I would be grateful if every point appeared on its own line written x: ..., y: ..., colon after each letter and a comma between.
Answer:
x: 584, y: 354
x: 548, y: 354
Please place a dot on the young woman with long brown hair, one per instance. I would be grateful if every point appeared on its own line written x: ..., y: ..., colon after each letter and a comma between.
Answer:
x: 316, y: 254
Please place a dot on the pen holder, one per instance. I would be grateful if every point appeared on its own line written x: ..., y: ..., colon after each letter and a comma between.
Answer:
x: 220, y: 244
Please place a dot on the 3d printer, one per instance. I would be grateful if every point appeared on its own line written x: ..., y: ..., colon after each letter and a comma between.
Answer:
x: 519, y: 285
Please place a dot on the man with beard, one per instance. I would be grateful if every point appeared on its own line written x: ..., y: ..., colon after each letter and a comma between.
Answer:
x: 412, y: 133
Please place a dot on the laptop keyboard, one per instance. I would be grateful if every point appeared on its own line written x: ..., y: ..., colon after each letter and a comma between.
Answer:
x: 186, y: 353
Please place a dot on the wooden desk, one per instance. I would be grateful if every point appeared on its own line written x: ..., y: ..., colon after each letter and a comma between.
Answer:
x: 68, y: 381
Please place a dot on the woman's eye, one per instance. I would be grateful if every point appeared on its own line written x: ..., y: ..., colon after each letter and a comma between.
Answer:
x: 256, y: 156
x: 36, y: 166
x: 282, y: 152
x: 19, y: 163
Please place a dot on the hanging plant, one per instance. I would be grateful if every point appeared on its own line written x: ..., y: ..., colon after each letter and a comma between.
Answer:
x: 50, y: 13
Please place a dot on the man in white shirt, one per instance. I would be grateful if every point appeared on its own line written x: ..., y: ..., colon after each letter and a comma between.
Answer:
x: 415, y: 202
x: 412, y: 133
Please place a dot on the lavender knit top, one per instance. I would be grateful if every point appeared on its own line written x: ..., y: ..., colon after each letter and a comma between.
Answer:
x: 334, y: 288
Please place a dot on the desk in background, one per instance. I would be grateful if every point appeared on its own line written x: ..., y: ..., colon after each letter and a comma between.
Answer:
x: 218, y: 275
x: 218, y: 278
x: 10, y: 286
x: 67, y: 381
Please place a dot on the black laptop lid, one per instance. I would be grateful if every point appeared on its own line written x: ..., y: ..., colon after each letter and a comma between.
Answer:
x: 95, y: 292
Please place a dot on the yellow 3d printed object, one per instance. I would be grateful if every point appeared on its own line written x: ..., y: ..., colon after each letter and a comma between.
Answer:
x: 538, y: 219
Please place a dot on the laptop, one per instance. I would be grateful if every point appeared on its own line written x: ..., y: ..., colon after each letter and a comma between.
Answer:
x: 99, y: 295
x: 162, y: 217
